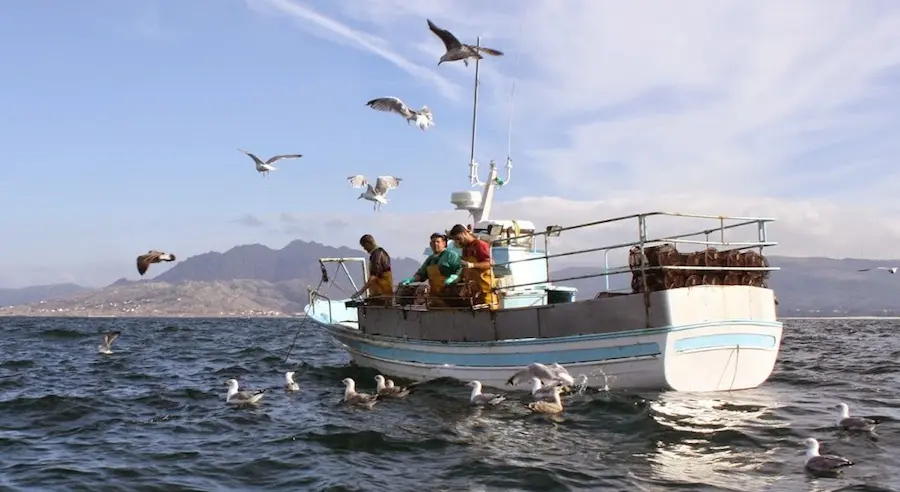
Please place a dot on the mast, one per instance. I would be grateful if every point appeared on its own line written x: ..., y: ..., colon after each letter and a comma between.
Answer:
x: 473, y: 166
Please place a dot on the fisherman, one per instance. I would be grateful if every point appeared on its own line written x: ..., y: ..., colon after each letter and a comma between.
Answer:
x: 441, y: 269
x: 381, y: 281
x: 477, y: 265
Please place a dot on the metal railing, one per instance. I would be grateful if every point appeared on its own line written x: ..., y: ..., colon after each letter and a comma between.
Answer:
x: 329, y: 281
x: 644, y: 241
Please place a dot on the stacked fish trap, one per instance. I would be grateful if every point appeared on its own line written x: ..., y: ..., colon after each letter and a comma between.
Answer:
x: 666, y: 255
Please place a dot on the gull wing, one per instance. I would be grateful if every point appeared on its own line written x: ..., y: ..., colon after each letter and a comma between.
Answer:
x: 857, y: 423
x: 489, y: 51
x: 385, y: 183
x: 247, y: 396
x: 827, y: 462
x: 450, y: 41
x: 533, y: 370
x: 109, y: 337
x: 256, y: 159
x: 545, y: 407
x: 283, y: 156
x: 358, y: 181
x: 144, y: 261
x: 389, y: 104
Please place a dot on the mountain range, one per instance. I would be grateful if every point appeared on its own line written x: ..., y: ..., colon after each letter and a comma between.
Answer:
x: 255, y: 280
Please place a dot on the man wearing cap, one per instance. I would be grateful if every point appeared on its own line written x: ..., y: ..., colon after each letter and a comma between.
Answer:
x: 441, y: 269
x: 477, y: 267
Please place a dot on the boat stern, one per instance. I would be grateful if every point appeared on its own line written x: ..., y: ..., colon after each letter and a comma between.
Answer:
x: 726, y: 338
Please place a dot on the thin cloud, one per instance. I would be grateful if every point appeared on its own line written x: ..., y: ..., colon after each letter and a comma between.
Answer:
x: 361, y: 40
x: 817, y: 227
x: 695, y: 96
x: 250, y: 221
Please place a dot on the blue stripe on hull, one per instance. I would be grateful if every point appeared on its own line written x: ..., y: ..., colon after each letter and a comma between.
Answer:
x: 336, y: 329
x: 721, y: 340
x: 570, y: 356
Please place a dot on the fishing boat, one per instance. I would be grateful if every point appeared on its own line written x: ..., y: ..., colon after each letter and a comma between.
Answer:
x: 697, y: 314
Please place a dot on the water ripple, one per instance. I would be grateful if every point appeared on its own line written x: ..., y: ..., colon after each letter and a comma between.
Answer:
x: 151, y: 417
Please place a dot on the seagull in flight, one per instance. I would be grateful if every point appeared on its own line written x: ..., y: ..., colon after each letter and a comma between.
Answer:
x: 459, y: 51
x: 378, y: 194
x: 422, y: 118
x: 152, y: 256
x: 265, y: 167
x: 891, y: 270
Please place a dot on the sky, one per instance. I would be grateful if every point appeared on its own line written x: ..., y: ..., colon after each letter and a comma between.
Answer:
x: 122, y: 121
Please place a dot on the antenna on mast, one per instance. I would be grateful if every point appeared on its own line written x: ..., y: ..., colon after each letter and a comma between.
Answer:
x: 473, y: 166
x: 512, y: 108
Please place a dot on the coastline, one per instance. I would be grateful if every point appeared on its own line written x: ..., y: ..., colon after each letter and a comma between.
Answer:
x: 12, y: 314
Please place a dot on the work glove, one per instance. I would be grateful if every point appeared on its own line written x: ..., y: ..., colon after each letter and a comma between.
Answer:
x: 407, y: 281
x: 452, y: 278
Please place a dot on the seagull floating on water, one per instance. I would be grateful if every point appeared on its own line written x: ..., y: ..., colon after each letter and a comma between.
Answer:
x: 390, y: 391
x: 289, y: 384
x: 891, y: 270
x: 479, y: 398
x: 457, y: 50
x: 378, y: 194
x: 351, y: 397
x: 235, y: 397
x: 827, y: 463
x: 152, y: 256
x: 265, y: 167
x: 422, y: 118
x: 106, y: 341
x: 847, y: 422
x: 554, y: 373
x: 548, y: 407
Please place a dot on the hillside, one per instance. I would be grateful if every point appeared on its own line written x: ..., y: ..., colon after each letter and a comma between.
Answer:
x: 12, y: 297
x: 249, y: 280
x: 297, y: 260
x: 254, y: 280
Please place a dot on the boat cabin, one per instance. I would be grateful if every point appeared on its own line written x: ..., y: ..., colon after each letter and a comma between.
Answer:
x: 521, y: 272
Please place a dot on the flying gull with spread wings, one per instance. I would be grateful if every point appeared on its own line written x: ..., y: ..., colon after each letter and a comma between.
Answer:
x: 422, y: 118
x: 891, y: 270
x: 264, y: 167
x: 457, y: 50
x: 378, y: 194
x: 152, y: 256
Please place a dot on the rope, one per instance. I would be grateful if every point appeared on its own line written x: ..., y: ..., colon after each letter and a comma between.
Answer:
x: 291, y: 348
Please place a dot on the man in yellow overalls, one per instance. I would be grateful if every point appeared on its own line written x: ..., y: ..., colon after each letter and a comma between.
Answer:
x: 477, y: 267
x: 441, y: 268
x: 381, y: 281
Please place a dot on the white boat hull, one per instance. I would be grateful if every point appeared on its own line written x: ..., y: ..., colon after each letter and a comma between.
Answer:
x: 721, y: 355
